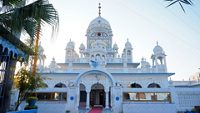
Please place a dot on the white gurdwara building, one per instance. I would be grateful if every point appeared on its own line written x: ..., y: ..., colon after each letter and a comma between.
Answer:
x: 99, y: 76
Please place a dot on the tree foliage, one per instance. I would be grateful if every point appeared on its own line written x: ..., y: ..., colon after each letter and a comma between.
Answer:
x: 25, y: 82
x: 18, y: 17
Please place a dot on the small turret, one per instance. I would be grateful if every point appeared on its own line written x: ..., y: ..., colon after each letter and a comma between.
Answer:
x: 70, y: 45
x: 127, y: 53
x: 159, y: 59
x: 70, y: 54
x: 115, y: 48
x: 81, y: 49
x: 53, y: 65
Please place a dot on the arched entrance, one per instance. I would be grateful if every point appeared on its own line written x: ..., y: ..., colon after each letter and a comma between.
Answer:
x: 97, y: 88
x: 97, y: 95
x: 83, y: 96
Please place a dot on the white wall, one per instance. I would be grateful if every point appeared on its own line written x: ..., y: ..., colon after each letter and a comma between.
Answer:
x: 187, y: 98
x: 49, y: 106
x: 130, y: 107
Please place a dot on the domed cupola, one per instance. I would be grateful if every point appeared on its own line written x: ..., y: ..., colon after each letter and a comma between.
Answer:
x: 128, y: 45
x: 70, y: 45
x: 115, y: 47
x: 99, y: 27
x: 99, y: 22
x: 82, y: 46
x: 158, y: 49
x: 159, y: 59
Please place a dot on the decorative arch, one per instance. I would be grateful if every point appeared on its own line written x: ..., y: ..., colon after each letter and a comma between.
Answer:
x: 5, y: 51
x: 97, y: 86
x: 77, y: 81
x: 129, y: 52
x: 135, y: 85
x: 82, y: 87
x: 60, y: 85
x: 153, y: 85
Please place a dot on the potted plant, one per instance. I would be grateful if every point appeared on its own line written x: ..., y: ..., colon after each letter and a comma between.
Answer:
x: 31, y: 103
x: 194, y: 110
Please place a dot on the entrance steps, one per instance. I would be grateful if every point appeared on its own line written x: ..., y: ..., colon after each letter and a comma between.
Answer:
x: 104, y: 110
x: 96, y: 110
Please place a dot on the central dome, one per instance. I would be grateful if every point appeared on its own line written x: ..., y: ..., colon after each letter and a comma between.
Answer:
x: 99, y: 22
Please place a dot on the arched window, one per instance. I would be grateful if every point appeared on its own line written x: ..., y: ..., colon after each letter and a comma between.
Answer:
x: 135, y: 85
x: 153, y: 85
x: 60, y: 85
x: 128, y: 52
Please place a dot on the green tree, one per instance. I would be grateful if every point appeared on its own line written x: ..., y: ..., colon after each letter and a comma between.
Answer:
x: 25, y: 82
x: 18, y: 17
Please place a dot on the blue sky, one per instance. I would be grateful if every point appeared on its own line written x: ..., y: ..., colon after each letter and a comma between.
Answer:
x: 143, y: 22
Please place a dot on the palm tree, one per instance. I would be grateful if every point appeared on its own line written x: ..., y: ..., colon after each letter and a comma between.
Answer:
x: 180, y: 2
x: 17, y: 17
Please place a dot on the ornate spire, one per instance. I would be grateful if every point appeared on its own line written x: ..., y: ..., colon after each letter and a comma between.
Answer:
x: 99, y: 9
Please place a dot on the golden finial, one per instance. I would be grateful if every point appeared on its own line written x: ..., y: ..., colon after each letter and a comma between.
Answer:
x: 99, y: 9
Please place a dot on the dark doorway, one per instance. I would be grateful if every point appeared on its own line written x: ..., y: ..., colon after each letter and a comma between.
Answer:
x: 83, y: 96
x: 97, y: 97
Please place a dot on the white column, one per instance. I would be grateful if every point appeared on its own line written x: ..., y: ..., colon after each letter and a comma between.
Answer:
x: 88, y: 100
x: 107, y: 95
x: 156, y: 60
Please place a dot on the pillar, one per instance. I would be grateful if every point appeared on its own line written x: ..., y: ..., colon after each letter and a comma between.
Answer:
x: 9, y: 73
x: 107, y: 95
x: 88, y: 99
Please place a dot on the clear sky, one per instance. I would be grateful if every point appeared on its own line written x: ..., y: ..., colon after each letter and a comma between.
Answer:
x: 143, y: 22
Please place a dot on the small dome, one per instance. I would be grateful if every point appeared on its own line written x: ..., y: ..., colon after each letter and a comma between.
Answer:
x: 82, y: 46
x: 128, y: 44
x: 70, y: 45
x: 158, y: 49
x: 115, y: 46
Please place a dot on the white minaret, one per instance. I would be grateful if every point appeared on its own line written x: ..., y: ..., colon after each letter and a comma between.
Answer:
x: 128, y: 51
x: 115, y: 48
x: 159, y: 58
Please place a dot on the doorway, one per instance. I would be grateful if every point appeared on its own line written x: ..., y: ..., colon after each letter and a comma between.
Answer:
x: 97, y: 96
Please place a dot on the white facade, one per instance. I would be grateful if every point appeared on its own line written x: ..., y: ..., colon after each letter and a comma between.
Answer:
x: 100, y: 76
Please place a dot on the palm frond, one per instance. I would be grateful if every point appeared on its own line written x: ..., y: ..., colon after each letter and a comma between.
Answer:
x: 187, y: 2
x: 25, y: 18
x: 182, y: 7
x: 12, y: 2
x: 172, y: 3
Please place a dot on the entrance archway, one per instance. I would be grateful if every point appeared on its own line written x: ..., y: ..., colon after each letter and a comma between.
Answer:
x: 97, y: 95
